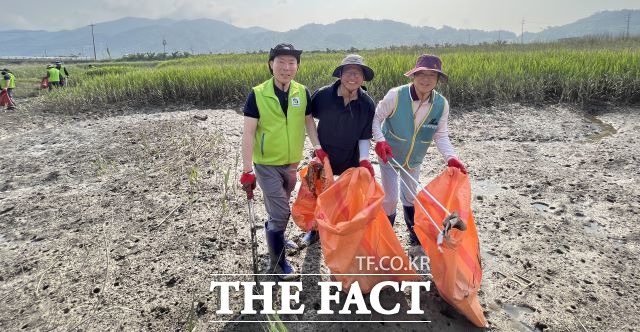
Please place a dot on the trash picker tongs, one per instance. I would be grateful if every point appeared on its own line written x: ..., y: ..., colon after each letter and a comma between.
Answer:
x: 254, y: 244
x: 451, y: 220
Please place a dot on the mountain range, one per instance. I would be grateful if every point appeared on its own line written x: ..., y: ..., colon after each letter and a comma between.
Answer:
x: 140, y: 35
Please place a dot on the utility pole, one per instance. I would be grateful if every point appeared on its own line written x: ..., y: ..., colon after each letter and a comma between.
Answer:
x: 93, y: 40
x: 164, y: 45
x: 628, y: 20
x: 522, y: 32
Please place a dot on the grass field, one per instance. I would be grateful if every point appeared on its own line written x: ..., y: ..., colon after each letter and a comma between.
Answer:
x: 584, y: 71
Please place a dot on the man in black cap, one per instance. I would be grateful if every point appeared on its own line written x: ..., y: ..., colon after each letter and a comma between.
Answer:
x: 276, y: 114
x: 345, y: 115
x: 63, y: 73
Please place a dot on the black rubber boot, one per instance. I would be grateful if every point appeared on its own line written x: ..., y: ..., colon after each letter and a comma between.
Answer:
x: 276, y: 244
x: 392, y: 219
x: 310, y: 238
x: 409, y: 212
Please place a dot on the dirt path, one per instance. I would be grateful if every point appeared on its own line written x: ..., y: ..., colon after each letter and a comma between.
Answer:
x: 115, y: 222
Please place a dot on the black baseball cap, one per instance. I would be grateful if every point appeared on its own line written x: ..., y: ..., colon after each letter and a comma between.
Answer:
x: 284, y: 49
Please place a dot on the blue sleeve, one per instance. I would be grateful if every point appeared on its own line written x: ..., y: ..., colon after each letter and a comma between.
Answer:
x: 251, y: 106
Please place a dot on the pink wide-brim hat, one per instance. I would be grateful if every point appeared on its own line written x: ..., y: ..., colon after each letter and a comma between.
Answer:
x: 428, y: 62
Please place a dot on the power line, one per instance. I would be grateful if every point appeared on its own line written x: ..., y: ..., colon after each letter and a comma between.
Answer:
x: 628, y: 20
x: 93, y: 40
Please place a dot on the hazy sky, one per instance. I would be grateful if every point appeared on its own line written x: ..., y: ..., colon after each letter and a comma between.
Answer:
x: 282, y: 15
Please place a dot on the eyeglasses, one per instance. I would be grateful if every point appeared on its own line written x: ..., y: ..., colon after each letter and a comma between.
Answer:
x: 426, y: 73
x: 352, y: 73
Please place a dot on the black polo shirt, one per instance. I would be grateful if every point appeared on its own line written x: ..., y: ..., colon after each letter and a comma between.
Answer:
x: 251, y: 106
x: 340, y: 127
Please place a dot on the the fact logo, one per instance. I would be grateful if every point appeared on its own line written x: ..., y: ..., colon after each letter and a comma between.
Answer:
x: 290, y: 293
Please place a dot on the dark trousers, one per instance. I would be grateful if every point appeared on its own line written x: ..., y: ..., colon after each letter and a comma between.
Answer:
x: 53, y: 84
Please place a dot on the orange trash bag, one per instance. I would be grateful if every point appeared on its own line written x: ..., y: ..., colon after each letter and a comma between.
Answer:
x: 44, y: 83
x: 356, y: 236
x: 315, y: 178
x: 455, y: 263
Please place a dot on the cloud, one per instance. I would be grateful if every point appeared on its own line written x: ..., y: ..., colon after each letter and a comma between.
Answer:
x: 18, y: 21
x: 176, y: 9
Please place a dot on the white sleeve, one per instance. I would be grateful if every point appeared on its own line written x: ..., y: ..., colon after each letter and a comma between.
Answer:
x: 441, y: 136
x: 383, y: 110
x: 363, y: 147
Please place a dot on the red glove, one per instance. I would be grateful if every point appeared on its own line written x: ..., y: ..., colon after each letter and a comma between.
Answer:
x: 383, y: 150
x: 367, y: 164
x: 248, y: 182
x: 454, y: 162
x: 321, y: 154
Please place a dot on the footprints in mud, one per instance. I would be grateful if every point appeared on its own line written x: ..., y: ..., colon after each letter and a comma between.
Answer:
x: 517, y: 315
x: 541, y: 206
x: 52, y: 176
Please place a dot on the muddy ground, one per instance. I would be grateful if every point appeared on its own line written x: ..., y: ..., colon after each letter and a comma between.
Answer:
x: 115, y: 219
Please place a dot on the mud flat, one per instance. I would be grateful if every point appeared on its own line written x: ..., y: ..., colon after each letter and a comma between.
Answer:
x: 114, y: 220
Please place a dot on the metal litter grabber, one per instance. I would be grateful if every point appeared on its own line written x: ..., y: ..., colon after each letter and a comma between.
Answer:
x: 275, y: 324
x: 451, y: 220
x: 254, y: 244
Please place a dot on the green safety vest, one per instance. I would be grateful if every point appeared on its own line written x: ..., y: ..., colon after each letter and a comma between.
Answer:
x: 12, y: 81
x: 54, y: 74
x: 409, y: 142
x: 61, y: 70
x: 279, y: 140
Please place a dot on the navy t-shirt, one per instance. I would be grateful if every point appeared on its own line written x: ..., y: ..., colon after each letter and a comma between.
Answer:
x: 340, y: 127
x: 251, y: 106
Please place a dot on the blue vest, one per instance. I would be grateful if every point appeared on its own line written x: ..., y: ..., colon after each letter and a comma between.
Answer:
x: 408, y: 142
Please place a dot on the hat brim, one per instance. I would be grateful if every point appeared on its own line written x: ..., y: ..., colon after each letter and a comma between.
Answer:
x: 443, y: 77
x: 368, y: 72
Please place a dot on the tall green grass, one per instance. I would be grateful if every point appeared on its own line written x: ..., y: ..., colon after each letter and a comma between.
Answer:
x: 578, y: 71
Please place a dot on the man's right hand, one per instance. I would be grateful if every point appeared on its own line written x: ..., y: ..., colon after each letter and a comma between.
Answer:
x: 383, y: 150
x: 248, y: 182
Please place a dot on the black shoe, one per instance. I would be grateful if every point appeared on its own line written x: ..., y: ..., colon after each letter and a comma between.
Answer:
x: 409, y: 213
x: 392, y: 219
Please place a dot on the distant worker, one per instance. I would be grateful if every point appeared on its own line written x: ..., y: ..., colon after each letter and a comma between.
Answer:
x: 7, y: 84
x: 53, y: 75
x: 64, y: 74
